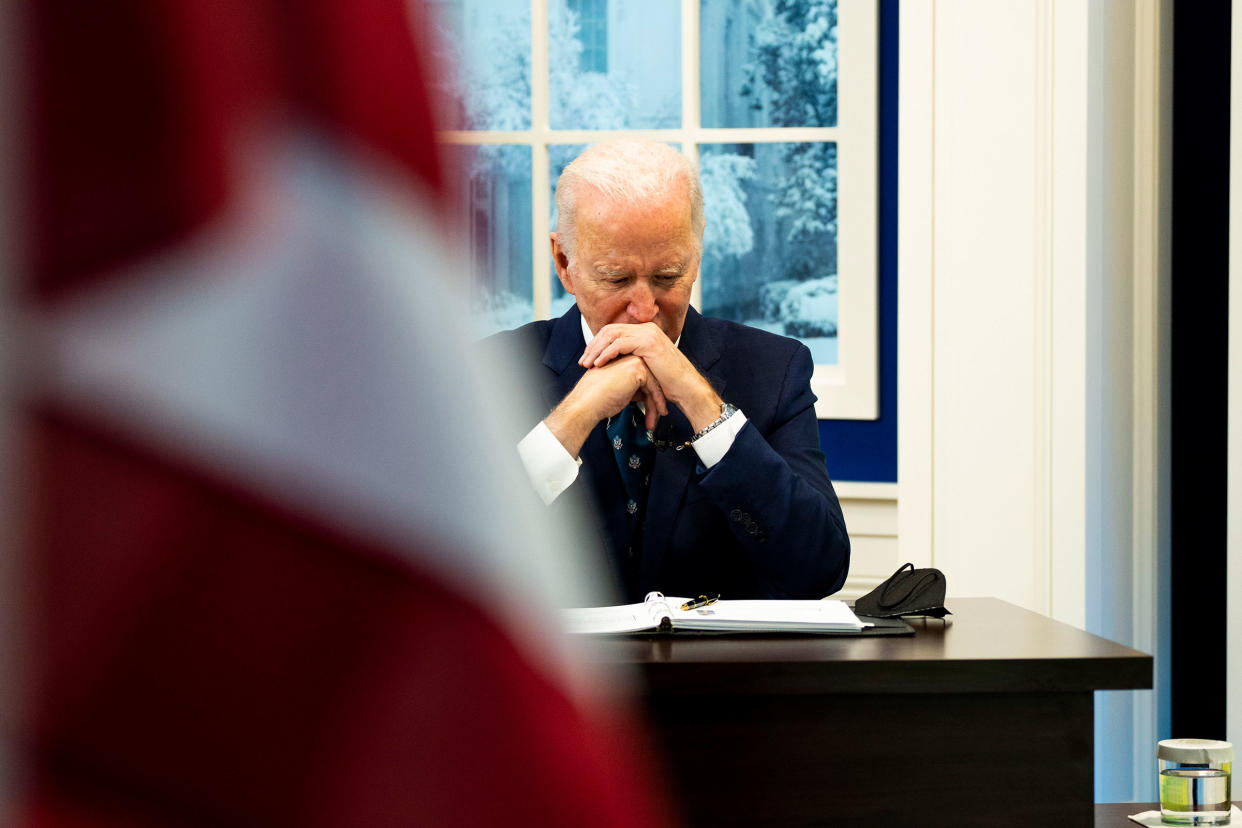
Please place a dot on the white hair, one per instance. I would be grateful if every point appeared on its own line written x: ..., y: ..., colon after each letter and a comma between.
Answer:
x: 626, y: 172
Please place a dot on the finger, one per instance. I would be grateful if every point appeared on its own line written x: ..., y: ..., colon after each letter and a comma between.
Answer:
x: 651, y: 408
x: 636, y: 339
x: 597, y: 344
x: 620, y: 346
x: 592, y: 348
x: 661, y: 403
x: 653, y: 416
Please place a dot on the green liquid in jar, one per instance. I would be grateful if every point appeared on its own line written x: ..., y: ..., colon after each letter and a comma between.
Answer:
x: 1196, y: 795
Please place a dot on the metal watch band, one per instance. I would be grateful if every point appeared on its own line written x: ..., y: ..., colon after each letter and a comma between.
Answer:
x: 726, y: 411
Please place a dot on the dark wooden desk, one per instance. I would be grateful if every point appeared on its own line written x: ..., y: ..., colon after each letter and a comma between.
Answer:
x: 986, y: 720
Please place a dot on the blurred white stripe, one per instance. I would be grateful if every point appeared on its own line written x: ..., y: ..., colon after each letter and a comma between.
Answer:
x: 297, y: 347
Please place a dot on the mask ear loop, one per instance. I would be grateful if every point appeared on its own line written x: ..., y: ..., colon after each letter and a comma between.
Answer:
x: 918, y: 585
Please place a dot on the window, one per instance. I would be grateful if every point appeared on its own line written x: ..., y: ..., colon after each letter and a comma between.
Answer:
x: 774, y: 99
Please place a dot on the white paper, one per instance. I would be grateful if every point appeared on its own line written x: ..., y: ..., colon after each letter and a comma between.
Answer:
x: 722, y: 616
x: 625, y: 618
x: 792, y: 616
x: 1153, y: 817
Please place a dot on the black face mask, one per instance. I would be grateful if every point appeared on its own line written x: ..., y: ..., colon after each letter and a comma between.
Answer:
x: 908, y: 591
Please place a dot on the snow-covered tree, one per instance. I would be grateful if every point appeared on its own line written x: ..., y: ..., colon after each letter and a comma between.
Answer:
x: 728, y: 231
x: 792, y: 69
x: 582, y: 100
x: 494, y: 93
x: 792, y: 74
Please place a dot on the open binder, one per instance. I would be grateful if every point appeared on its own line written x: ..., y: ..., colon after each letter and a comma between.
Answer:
x: 660, y: 613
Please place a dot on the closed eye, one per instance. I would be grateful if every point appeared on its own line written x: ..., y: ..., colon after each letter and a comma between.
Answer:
x: 667, y: 279
x: 611, y: 277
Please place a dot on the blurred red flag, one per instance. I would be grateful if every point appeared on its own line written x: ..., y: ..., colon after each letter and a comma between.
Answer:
x: 270, y: 575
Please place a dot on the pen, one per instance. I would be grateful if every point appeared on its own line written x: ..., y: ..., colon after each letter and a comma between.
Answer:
x: 701, y: 601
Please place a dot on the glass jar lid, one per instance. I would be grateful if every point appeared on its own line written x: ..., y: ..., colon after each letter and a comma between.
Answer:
x: 1194, y: 751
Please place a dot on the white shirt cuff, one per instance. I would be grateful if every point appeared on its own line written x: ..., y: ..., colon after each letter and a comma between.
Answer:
x: 550, y: 467
x: 712, y: 446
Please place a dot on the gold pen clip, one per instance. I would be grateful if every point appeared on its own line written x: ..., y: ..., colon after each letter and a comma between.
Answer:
x: 701, y: 601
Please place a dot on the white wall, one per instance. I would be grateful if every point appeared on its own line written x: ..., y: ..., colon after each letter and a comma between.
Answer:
x: 870, y: 511
x: 1033, y: 320
x: 1233, y: 618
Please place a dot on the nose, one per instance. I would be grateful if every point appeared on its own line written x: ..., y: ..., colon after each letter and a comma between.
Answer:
x: 642, y: 307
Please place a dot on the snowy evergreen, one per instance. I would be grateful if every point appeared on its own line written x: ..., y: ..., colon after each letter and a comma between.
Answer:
x: 792, y: 76
x: 728, y: 231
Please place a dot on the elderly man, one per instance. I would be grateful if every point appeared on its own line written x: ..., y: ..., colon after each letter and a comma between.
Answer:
x: 693, y: 440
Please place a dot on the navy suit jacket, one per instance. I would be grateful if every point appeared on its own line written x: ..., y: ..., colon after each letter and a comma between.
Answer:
x: 764, y: 522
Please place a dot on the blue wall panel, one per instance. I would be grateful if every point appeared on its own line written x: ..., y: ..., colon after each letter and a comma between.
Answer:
x: 866, y: 450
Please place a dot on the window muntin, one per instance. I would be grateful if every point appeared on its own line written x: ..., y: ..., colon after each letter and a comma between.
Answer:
x: 811, y: 266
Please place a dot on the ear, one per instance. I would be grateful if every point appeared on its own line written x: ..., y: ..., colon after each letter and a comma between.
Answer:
x: 560, y: 261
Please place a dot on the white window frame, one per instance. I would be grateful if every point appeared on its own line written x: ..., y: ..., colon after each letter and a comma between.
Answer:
x: 849, y: 389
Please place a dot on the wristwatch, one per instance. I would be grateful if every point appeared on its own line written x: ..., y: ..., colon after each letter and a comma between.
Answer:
x: 726, y: 411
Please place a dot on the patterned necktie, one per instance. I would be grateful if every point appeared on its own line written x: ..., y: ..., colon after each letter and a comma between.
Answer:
x: 635, y: 452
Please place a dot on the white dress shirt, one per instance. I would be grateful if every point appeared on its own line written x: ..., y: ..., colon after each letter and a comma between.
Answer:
x: 552, y: 469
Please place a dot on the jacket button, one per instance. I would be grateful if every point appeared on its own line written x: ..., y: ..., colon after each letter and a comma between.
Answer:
x: 736, y: 516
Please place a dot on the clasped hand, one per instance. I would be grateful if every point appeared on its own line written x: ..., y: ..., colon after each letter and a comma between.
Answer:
x: 631, y: 363
x: 670, y: 376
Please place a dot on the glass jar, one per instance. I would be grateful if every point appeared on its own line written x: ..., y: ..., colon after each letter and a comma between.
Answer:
x: 1195, y: 781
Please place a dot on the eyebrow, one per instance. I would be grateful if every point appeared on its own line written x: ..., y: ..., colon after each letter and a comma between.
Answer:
x: 610, y: 271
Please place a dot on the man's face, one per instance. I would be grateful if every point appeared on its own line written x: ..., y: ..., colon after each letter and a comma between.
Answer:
x: 634, y: 263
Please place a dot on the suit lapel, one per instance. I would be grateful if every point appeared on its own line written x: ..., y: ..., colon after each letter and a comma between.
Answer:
x: 702, y: 343
x: 673, y: 469
x: 565, y: 345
